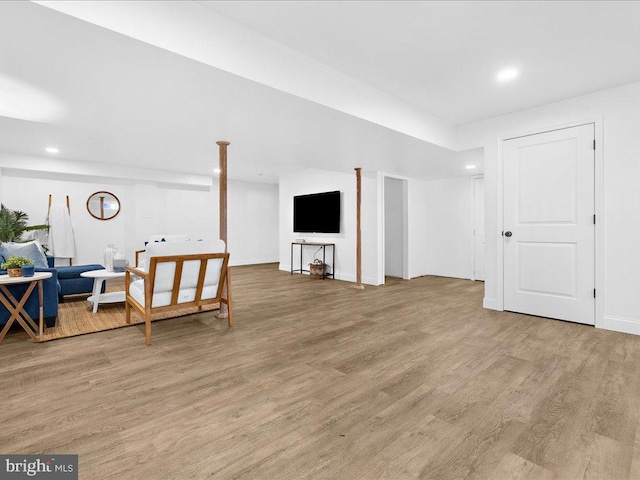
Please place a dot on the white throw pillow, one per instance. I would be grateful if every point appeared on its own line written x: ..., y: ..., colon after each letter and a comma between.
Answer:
x: 22, y: 244
x: 32, y: 250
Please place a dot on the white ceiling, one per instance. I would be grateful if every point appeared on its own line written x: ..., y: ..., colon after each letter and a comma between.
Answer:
x: 108, y: 97
x: 118, y: 101
x: 443, y: 56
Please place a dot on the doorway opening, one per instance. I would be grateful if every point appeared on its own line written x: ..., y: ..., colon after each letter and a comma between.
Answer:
x: 396, y: 258
x: 478, y: 228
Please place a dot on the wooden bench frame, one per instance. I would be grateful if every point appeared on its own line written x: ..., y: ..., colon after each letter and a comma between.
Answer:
x: 149, y: 281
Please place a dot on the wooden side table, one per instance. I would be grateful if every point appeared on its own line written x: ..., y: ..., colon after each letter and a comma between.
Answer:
x: 16, y: 308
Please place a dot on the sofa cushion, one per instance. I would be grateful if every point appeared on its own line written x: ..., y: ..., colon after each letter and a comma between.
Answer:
x: 74, y: 271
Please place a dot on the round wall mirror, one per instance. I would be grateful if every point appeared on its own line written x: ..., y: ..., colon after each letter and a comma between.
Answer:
x: 103, y: 205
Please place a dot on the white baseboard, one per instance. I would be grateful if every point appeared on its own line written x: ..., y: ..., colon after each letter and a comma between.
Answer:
x: 348, y: 277
x: 620, y: 324
x: 490, y: 303
x: 448, y: 275
x: 345, y: 277
x: 258, y: 261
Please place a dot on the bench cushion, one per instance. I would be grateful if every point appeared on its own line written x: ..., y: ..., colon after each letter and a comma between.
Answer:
x: 162, y: 299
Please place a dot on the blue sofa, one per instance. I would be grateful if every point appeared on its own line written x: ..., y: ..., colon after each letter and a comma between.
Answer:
x: 50, y: 291
x: 71, y: 283
x: 63, y: 281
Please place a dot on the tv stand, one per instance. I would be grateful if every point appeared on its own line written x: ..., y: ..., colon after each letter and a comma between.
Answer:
x: 324, y: 251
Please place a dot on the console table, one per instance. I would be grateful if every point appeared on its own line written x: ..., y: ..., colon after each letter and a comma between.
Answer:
x: 324, y: 256
x: 16, y: 308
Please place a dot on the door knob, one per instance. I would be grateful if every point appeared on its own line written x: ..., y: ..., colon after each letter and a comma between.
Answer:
x: 507, y: 234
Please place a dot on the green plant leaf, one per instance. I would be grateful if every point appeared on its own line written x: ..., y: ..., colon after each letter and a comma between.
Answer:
x: 13, y: 223
x: 16, y: 262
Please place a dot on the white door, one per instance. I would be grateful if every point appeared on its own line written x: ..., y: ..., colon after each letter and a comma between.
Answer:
x: 478, y: 228
x: 549, y: 234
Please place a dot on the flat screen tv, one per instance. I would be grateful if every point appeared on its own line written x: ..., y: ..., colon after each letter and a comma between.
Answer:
x: 317, y: 213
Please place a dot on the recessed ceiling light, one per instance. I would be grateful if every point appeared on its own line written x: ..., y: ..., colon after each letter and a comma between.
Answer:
x: 470, y: 167
x: 51, y: 150
x: 507, y: 74
x: 216, y: 170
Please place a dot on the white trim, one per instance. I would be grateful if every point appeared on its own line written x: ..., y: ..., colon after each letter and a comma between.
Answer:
x: 255, y: 261
x: 598, y: 207
x: 345, y: 277
x: 447, y: 275
x: 490, y: 303
x: 405, y: 226
x: 599, y: 211
x: 405, y: 230
x: 285, y: 267
x: 499, y: 305
x: 620, y: 324
x: 380, y: 228
x: 397, y: 177
x: 473, y: 237
x: 352, y: 279
x: 382, y: 254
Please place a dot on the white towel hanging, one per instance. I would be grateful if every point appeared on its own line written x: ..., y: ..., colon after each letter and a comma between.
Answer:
x: 61, y: 237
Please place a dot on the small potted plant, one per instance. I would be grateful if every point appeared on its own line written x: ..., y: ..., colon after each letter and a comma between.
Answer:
x: 18, y: 266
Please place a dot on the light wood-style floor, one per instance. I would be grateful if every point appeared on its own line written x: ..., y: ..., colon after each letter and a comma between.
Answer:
x: 319, y: 381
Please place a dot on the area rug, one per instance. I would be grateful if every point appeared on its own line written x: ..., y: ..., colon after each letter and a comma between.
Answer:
x: 76, y: 317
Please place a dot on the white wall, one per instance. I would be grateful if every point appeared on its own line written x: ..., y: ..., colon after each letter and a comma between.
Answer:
x: 417, y: 228
x: 253, y: 210
x: 151, y: 209
x: 31, y: 195
x: 309, y: 181
x: 393, y: 227
x: 618, y: 113
x: 439, y: 230
x: 449, y: 233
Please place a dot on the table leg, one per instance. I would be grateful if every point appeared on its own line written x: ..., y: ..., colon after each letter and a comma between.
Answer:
x: 41, y: 300
x: 5, y: 329
x: 333, y: 264
x: 10, y: 308
x: 17, y: 311
x: 324, y: 265
x: 97, y: 288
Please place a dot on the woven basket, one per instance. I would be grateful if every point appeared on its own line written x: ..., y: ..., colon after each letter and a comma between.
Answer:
x: 316, y: 270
